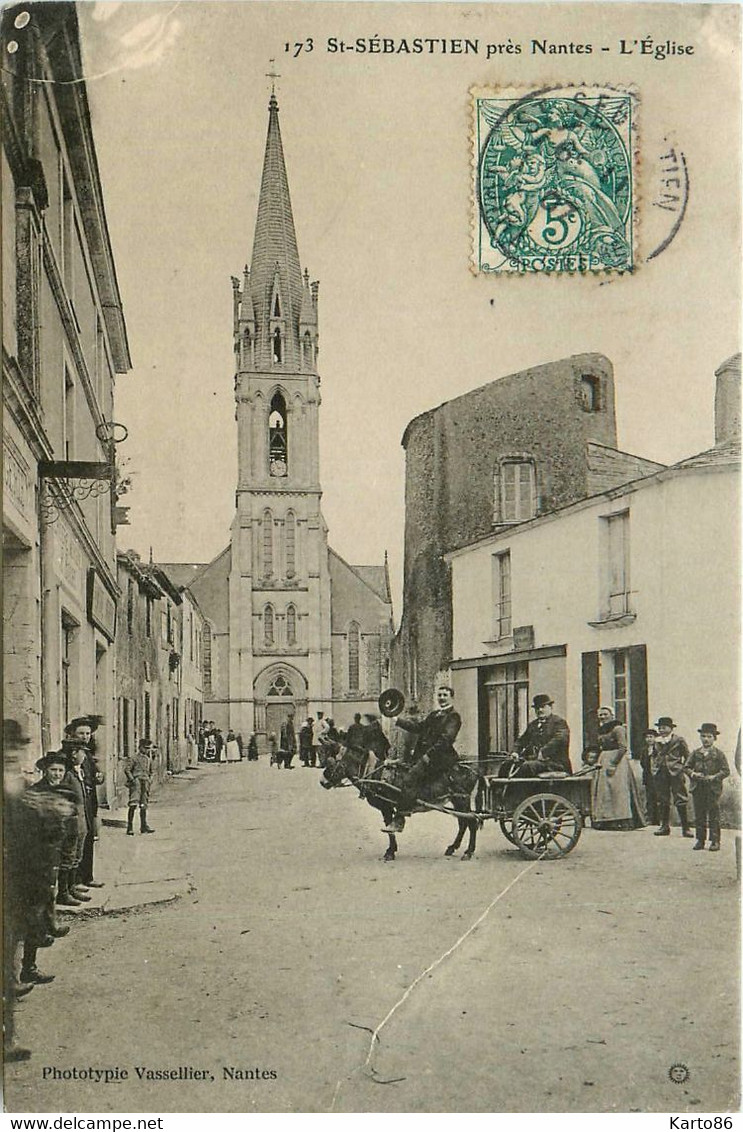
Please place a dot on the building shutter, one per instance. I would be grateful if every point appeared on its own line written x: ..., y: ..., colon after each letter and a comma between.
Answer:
x: 590, y: 669
x: 638, y: 696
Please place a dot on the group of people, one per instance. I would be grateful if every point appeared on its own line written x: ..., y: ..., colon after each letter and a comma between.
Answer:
x: 317, y: 737
x: 670, y: 772
x: 50, y: 839
x: 216, y: 747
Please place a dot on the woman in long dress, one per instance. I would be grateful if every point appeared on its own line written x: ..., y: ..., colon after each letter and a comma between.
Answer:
x: 616, y: 799
x: 232, y: 747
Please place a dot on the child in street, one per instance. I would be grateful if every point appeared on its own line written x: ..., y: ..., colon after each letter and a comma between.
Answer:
x: 707, y: 768
x: 138, y: 776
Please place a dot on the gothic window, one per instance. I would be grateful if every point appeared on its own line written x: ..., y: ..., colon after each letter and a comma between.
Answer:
x: 278, y: 452
x: 291, y: 625
x: 290, y: 536
x: 354, y: 640
x: 268, y: 634
x: 276, y: 306
x: 277, y: 347
x: 247, y: 348
x: 280, y: 687
x: 267, y: 544
x: 307, y: 350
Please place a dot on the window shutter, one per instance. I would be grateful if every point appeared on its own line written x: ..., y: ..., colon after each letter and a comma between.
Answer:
x: 590, y: 670
x: 638, y: 695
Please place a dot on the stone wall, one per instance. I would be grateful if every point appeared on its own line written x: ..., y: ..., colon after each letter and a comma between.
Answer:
x: 547, y: 415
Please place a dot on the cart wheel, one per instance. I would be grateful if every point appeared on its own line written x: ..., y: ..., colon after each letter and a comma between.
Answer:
x: 546, y: 826
x: 506, y: 828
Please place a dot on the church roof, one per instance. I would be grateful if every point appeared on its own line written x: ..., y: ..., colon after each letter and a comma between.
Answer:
x: 181, y: 574
x: 275, y: 242
x: 375, y: 577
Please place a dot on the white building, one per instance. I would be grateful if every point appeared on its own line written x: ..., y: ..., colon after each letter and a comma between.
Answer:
x: 628, y: 598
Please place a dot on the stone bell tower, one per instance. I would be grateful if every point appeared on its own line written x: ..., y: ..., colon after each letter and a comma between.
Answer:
x: 279, y: 586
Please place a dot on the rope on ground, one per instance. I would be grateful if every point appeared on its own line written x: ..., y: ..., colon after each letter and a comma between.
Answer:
x: 366, y: 1066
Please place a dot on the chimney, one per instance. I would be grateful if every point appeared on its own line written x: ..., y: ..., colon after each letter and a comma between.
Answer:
x: 727, y: 401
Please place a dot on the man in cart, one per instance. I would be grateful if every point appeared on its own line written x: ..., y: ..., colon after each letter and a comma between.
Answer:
x: 545, y: 744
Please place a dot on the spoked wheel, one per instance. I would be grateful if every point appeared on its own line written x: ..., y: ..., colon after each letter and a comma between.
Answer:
x: 506, y: 828
x: 546, y: 825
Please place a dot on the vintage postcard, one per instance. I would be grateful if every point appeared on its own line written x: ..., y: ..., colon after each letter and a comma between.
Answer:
x: 371, y: 390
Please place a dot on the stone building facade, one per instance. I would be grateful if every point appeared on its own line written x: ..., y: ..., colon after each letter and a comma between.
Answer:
x: 518, y: 447
x: 159, y: 667
x: 64, y: 340
x: 281, y: 606
x: 620, y: 599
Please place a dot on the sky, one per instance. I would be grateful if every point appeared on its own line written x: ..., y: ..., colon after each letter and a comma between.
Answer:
x: 379, y: 163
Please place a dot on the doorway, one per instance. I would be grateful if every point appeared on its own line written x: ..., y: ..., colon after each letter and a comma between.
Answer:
x: 276, y: 716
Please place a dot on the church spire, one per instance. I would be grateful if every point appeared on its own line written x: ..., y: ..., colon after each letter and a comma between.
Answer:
x: 275, y: 273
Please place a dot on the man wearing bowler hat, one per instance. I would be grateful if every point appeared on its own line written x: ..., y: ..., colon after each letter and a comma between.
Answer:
x: 707, y: 768
x: 545, y: 745
x: 670, y: 755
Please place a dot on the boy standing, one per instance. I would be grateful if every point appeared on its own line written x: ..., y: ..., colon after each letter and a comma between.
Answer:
x: 138, y: 776
x: 707, y: 768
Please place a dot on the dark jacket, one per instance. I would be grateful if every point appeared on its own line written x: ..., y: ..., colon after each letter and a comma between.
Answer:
x: 435, y: 737
x: 42, y: 817
x: 670, y: 757
x: 356, y: 736
x: 373, y: 739
x: 548, y: 740
x: 288, y: 740
x: 613, y: 737
x: 76, y: 788
x: 712, y: 765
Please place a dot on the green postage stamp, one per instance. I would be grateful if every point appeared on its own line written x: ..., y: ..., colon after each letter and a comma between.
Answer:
x: 553, y: 180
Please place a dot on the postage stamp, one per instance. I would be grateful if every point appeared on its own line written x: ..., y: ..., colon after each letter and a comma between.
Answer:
x: 553, y: 189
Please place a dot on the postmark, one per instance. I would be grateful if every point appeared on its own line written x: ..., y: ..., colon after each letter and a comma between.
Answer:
x: 553, y: 181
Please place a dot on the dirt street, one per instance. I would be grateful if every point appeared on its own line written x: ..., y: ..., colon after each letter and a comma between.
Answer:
x: 585, y: 983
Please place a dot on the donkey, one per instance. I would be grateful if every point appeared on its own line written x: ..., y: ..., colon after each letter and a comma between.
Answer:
x: 380, y: 787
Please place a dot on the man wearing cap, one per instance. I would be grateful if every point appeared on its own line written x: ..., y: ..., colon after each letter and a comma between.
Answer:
x: 707, y: 768
x: 545, y: 744
x: 138, y: 776
x: 669, y: 758
x: 354, y: 737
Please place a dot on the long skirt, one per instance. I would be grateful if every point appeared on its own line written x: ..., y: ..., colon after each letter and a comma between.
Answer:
x: 616, y: 798
x: 233, y: 751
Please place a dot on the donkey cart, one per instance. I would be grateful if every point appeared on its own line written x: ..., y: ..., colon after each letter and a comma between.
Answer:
x: 543, y: 817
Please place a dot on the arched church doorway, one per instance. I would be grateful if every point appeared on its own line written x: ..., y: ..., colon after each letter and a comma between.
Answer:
x: 279, y: 704
x: 280, y: 691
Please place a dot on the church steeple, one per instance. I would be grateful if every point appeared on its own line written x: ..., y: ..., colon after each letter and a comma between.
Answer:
x: 276, y: 290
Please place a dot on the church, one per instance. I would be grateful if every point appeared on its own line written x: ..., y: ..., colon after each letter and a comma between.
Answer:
x: 292, y: 627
